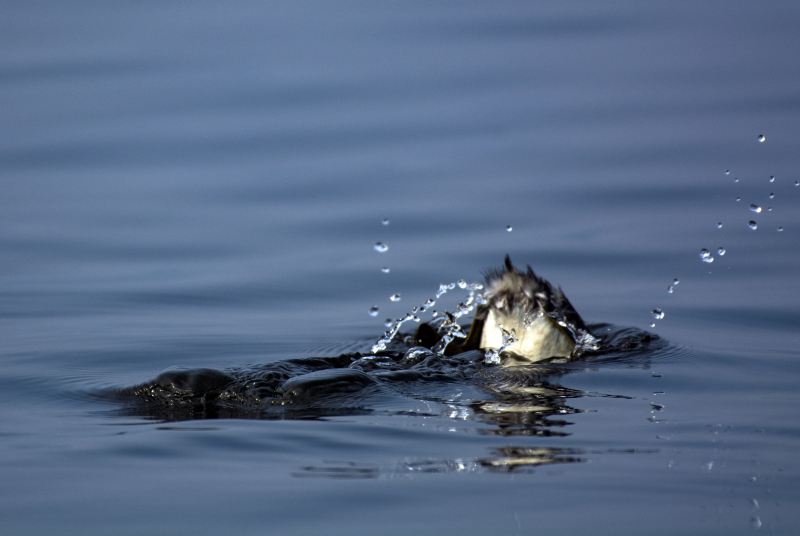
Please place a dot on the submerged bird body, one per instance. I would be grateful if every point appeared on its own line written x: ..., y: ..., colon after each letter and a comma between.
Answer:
x: 527, y: 318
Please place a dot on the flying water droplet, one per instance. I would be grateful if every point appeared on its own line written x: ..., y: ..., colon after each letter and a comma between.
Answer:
x: 652, y: 324
x: 762, y: 138
x: 738, y: 199
x: 373, y: 311
x: 657, y: 313
x: 753, y: 225
x: 769, y: 209
x: 721, y: 251
x: 755, y: 208
x: 395, y: 297
x: 796, y: 184
x: 386, y: 270
x: 706, y: 256
x: 385, y: 222
x: 509, y: 228
x: 671, y: 287
x: 719, y: 225
x: 772, y: 178
x: 736, y: 179
x: 727, y: 172
x: 780, y: 229
x: 387, y: 323
x: 380, y: 247
x: 772, y: 195
x: 755, y: 522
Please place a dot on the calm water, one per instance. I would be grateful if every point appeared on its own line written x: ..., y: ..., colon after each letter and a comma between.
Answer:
x: 200, y: 185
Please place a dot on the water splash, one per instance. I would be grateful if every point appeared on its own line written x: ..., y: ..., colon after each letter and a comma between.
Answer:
x: 446, y: 324
x: 492, y: 355
x: 706, y: 256
x: 658, y: 313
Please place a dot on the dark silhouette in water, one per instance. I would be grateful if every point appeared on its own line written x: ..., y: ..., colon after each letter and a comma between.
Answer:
x: 521, y: 398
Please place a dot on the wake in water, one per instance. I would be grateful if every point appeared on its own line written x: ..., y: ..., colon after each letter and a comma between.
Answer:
x: 521, y: 323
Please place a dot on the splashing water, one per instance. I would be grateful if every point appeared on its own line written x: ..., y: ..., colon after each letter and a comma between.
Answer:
x: 493, y: 356
x: 445, y: 323
x: 706, y: 256
x: 657, y: 313
x: 671, y: 287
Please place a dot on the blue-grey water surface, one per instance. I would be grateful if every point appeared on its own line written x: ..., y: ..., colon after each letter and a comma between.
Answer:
x: 201, y: 184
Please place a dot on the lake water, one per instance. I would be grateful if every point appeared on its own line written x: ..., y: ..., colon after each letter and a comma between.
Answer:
x: 201, y: 185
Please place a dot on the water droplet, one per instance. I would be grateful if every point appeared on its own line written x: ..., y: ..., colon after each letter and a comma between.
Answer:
x: 754, y: 503
x: 652, y: 324
x: 738, y: 199
x: 762, y: 138
x: 753, y: 225
x: 388, y: 323
x: 772, y: 178
x: 736, y: 179
x: 755, y: 522
x: 461, y: 283
x: 373, y: 311
x: 380, y: 247
x: 670, y: 289
x: 657, y: 313
x: 430, y: 302
x: 772, y: 195
x: 721, y: 251
x: 755, y: 208
x: 769, y: 209
x: 780, y: 229
x: 385, y: 222
x: 386, y: 269
x: 395, y: 297
x: 706, y: 256
x: 727, y: 172
x: 719, y: 225
x: 509, y: 228
x: 676, y: 281
x: 796, y: 184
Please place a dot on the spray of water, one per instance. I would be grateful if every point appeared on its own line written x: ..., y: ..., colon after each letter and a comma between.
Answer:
x: 446, y: 324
